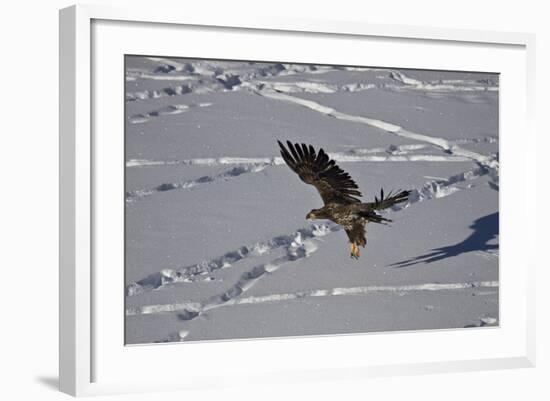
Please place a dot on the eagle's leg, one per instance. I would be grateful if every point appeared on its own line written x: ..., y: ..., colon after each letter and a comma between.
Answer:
x: 354, y: 251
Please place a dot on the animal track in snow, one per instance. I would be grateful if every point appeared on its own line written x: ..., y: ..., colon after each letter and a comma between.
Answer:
x: 207, y: 179
x: 446, y: 145
x: 295, y: 243
x: 168, y: 110
x: 204, y: 77
x: 443, y: 85
x: 349, y: 157
x: 246, y: 165
x: 194, y: 309
x: 440, y: 188
x: 407, y: 152
x: 306, y: 86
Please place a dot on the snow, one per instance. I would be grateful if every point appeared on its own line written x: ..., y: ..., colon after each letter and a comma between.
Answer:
x: 217, y: 244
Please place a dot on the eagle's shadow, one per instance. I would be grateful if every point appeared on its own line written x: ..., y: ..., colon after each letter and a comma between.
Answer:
x: 485, y: 229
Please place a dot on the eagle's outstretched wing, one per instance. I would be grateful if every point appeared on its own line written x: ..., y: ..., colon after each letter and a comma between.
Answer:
x: 333, y: 183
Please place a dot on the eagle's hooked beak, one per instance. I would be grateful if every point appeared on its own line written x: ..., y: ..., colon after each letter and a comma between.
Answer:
x: 310, y: 216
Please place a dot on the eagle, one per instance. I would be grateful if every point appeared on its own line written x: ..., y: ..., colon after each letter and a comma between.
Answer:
x: 339, y: 192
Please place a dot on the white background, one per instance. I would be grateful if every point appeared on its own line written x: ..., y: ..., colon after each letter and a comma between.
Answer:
x: 28, y: 333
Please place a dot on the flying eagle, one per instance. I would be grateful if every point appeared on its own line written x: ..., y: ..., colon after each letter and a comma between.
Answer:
x: 339, y: 193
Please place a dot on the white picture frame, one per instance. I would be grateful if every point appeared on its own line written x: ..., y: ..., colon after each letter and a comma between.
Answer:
x: 88, y: 366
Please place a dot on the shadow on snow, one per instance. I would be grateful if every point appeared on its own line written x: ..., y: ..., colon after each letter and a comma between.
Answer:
x: 485, y: 229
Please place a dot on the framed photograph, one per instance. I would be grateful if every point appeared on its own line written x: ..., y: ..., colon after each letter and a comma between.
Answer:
x: 290, y: 200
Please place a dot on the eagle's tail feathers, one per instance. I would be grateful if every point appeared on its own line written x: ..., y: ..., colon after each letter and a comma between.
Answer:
x: 392, y: 198
x: 376, y: 218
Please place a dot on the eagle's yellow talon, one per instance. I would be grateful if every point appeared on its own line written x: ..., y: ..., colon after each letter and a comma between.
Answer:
x: 354, y: 251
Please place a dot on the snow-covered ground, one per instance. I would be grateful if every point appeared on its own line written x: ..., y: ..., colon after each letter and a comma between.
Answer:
x: 217, y: 244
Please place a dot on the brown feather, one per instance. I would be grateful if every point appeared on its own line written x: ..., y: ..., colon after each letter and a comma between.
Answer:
x: 356, y: 233
x: 333, y: 184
